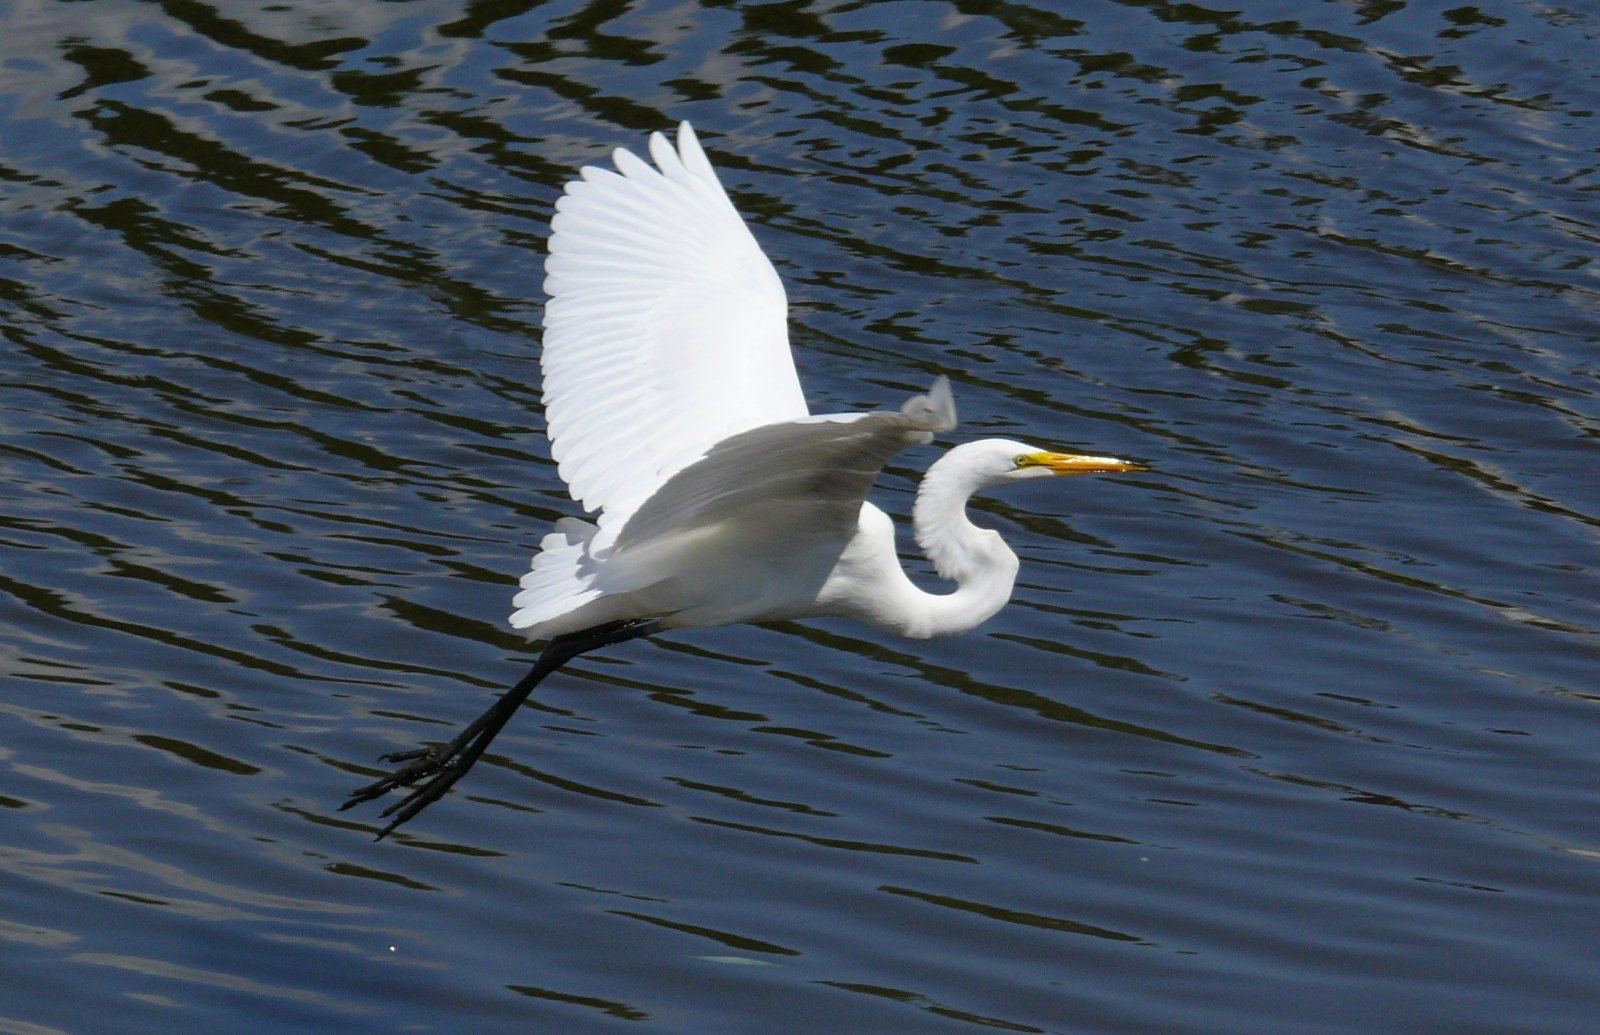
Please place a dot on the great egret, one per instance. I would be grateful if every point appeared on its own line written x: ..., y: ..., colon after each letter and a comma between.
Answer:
x: 675, y: 412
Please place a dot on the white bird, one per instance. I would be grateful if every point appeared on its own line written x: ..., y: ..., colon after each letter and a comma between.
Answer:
x: 674, y: 411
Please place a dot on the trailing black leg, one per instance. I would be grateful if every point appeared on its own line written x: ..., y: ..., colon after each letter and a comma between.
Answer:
x: 441, y: 765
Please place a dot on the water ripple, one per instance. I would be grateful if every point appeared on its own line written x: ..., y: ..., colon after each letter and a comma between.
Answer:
x: 1288, y: 733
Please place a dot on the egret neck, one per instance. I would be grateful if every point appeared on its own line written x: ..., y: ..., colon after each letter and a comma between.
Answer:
x: 976, y: 559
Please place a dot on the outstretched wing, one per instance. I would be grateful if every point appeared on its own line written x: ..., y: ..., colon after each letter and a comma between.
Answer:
x: 666, y: 330
x: 796, y: 480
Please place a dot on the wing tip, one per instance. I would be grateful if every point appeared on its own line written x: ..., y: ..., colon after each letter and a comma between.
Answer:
x: 935, y: 411
x: 693, y: 155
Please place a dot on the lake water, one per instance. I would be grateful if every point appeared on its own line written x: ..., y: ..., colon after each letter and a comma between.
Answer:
x: 1296, y: 731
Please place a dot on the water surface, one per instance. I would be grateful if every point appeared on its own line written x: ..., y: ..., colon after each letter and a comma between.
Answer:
x: 1295, y: 732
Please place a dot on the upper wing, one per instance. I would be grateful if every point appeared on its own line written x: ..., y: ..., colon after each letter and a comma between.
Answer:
x: 666, y: 329
x: 797, y: 480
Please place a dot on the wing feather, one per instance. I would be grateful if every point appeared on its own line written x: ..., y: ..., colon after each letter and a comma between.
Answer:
x: 799, y: 479
x: 666, y: 330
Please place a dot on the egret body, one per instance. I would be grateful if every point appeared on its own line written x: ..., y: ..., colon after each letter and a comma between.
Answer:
x: 675, y: 416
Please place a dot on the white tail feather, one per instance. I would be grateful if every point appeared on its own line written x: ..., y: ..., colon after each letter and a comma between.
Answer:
x: 561, y: 579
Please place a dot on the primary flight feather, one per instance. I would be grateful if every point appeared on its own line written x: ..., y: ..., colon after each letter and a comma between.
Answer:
x: 675, y: 415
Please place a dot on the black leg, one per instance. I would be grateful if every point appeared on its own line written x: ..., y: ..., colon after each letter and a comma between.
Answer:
x: 443, y: 764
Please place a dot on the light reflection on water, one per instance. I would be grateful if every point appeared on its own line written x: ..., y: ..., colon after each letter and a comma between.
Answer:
x: 1292, y: 732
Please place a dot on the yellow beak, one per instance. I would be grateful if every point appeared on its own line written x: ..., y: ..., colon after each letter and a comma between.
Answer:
x: 1069, y: 463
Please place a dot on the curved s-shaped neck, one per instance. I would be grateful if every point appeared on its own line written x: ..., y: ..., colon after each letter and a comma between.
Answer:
x: 983, y: 568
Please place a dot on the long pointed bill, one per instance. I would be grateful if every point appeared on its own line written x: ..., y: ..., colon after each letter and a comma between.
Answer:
x: 1069, y: 463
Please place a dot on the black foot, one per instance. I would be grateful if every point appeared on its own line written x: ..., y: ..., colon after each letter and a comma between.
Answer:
x: 438, y: 767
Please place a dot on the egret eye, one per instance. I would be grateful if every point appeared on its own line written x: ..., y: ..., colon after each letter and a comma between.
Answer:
x: 1022, y: 460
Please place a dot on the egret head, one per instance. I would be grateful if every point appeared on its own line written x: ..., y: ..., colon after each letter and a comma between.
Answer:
x: 998, y: 461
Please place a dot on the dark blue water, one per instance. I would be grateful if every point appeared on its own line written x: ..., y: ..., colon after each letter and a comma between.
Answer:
x: 1295, y: 732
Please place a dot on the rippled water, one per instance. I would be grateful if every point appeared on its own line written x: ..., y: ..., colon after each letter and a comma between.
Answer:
x: 1295, y: 732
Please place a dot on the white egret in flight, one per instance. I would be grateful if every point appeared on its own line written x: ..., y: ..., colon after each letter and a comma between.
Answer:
x: 675, y: 412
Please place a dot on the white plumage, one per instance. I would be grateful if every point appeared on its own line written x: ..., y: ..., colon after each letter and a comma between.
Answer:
x: 675, y: 412
x: 666, y: 329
